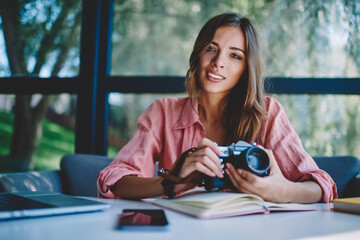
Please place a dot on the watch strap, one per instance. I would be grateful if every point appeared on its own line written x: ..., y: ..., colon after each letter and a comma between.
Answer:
x: 170, y: 177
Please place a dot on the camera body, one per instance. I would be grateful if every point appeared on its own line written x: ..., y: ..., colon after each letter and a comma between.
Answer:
x: 242, y: 155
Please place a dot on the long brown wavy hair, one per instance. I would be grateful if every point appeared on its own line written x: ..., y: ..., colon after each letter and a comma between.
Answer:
x: 243, y: 109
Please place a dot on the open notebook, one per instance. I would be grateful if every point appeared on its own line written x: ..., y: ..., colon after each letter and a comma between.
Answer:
x: 203, y: 204
x: 37, y: 204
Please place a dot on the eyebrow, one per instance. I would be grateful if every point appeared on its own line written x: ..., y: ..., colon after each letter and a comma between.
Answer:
x: 232, y: 48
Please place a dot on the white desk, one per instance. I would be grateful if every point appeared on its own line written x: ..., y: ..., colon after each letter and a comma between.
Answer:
x: 323, y: 224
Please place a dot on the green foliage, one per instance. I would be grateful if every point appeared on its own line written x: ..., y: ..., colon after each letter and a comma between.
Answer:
x: 327, y: 125
x: 6, y: 121
x: 300, y: 38
x: 55, y: 142
x: 156, y: 37
x: 47, y: 29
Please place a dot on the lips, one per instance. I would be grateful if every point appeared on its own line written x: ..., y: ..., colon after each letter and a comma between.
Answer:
x: 215, y: 77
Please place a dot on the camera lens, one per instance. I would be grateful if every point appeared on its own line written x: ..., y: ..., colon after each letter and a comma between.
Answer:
x: 248, y: 157
x: 258, y: 161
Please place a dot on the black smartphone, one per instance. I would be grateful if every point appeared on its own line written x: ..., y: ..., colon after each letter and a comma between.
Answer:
x: 143, y: 219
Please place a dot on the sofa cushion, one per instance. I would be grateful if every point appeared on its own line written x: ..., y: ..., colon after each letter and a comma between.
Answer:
x: 31, y: 181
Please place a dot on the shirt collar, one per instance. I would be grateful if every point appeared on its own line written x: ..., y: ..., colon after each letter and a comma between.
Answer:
x: 189, y: 114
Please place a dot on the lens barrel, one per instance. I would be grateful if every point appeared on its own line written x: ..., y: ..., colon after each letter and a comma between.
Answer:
x: 253, y: 159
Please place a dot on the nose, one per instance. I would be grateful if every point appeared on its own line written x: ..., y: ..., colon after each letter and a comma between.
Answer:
x: 218, y: 61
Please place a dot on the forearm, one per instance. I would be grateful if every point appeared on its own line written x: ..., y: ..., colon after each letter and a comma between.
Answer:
x: 133, y: 187
x: 305, y: 192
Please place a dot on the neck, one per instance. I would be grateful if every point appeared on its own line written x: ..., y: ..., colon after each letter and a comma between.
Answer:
x: 209, y: 106
x: 210, y: 116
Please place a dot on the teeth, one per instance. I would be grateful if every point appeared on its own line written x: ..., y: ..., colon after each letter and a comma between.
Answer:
x: 214, y: 76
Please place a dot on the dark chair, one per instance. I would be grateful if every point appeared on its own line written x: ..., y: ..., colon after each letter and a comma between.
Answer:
x: 79, y: 173
x: 344, y: 170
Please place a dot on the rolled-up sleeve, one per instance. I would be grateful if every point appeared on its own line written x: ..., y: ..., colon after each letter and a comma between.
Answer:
x: 138, y: 156
x: 296, y: 164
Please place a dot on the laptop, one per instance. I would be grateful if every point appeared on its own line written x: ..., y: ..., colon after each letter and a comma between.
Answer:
x: 36, y: 204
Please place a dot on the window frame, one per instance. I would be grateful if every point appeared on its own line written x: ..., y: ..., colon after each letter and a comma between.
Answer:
x: 94, y: 83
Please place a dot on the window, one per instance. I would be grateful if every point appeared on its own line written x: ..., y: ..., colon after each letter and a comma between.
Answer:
x: 301, y: 39
x: 39, y: 54
x: 310, y: 50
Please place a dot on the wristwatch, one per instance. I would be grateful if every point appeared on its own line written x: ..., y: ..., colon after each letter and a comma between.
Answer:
x: 168, y: 187
x: 170, y: 177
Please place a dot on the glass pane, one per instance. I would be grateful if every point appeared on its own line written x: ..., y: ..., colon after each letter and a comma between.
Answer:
x: 327, y: 124
x: 299, y: 38
x: 36, y: 131
x: 124, y: 110
x: 40, y: 38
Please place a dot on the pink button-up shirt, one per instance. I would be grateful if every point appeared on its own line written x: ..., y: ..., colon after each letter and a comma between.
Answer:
x: 170, y: 126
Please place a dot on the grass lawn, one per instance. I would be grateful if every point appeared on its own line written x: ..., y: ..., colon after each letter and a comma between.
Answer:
x: 6, y: 120
x: 55, y: 142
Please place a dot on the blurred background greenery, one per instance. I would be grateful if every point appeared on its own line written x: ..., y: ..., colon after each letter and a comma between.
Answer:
x: 300, y: 38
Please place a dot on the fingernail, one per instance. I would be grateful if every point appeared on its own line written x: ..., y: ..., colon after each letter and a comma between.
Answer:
x: 227, y: 171
x: 228, y: 165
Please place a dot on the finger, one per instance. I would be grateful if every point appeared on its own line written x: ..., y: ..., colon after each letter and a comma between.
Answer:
x: 205, y: 142
x: 241, y: 179
x: 248, y: 176
x: 208, y: 154
x: 234, y: 176
x: 203, y: 168
x: 207, y: 158
x: 195, y: 166
x: 202, y: 163
x: 210, y: 163
x: 237, y: 182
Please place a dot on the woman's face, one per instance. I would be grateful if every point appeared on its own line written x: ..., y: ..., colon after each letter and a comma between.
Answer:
x: 223, y: 62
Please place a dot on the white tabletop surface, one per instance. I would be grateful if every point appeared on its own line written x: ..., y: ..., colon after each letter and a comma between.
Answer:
x: 322, y: 224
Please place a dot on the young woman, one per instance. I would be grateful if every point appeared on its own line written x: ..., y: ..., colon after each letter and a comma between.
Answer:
x: 226, y: 104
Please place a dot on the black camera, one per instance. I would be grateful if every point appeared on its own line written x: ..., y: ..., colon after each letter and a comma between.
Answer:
x: 241, y: 155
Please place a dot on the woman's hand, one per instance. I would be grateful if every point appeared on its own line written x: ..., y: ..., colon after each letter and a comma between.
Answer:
x: 204, y: 160
x: 272, y: 188
x: 275, y: 187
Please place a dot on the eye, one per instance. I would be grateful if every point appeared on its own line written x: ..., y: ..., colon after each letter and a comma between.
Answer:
x: 236, y: 56
x: 210, y: 49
